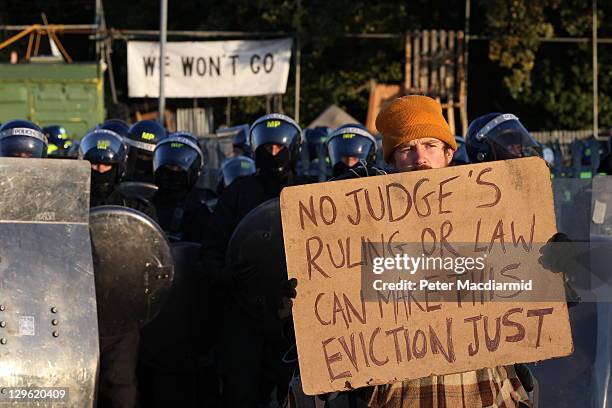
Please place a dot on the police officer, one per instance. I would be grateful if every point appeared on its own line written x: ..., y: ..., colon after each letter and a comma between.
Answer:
x: 234, y: 169
x: 247, y: 362
x: 188, y: 379
x: 107, y: 153
x: 22, y: 138
x: 116, y: 125
x: 314, y: 157
x: 58, y: 141
x: 351, y: 147
x: 497, y: 136
x: 240, y: 143
x: 461, y: 156
x: 276, y: 141
x: 141, y: 140
x: 181, y: 210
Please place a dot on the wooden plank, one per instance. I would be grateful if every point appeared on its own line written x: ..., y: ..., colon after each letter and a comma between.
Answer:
x: 445, y: 60
x: 408, y: 65
x: 416, y: 71
x: 434, y: 63
x: 450, y: 116
x: 450, y: 77
x: 424, y: 75
x: 462, y: 84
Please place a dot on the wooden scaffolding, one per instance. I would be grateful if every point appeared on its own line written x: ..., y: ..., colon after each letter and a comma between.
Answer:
x: 434, y: 67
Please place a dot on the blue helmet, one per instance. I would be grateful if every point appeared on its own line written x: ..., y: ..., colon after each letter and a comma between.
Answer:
x: 351, y: 140
x: 22, y: 138
x: 460, y: 156
x: 497, y: 136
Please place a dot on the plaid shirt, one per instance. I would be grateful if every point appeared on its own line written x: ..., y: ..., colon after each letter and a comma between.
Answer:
x: 489, y: 387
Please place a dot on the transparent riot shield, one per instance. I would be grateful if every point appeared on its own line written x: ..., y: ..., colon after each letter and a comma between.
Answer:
x: 133, y: 268
x: 580, y: 379
x: 601, y: 266
x: 48, y: 326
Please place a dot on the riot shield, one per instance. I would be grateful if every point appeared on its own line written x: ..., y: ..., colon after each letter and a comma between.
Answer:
x: 48, y: 327
x: 257, y: 243
x: 572, y: 381
x: 133, y: 268
x: 137, y: 189
x: 601, y: 259
x: 169, y: 341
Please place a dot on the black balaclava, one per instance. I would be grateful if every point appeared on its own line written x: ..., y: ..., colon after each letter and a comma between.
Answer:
x: 278, y: 166
x: 341, y: 167
x: 103, y: 184
x: 173, y: 185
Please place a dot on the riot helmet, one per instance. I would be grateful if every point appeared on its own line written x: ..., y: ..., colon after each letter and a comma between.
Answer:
x: 22, y: 138
x: 58, y: 141
x: 106, y: 152
x: 240, y: 144
x: 350, y: 145
x: 177, y: 162
x: 548, y: 155
x: 276, y: 141
x: 235, y: 168
x: 141, y: 140
x: 497, y: 136
x: 315, y: 140
x: 118, y: 126
x: 460, y: 156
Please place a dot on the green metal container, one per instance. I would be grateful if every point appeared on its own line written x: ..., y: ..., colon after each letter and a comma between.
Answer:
x: 70, y: 95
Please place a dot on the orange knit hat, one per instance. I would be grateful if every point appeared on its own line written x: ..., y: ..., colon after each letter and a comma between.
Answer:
x: 409, y: 118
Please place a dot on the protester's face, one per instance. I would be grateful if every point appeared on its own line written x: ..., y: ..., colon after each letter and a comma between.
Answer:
x: 422, y: 154
x: 101, y: 168
x: 350, y: 161
x: 274, y: 148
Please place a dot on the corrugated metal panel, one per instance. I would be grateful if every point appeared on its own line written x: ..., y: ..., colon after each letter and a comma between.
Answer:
x: 198, y: 121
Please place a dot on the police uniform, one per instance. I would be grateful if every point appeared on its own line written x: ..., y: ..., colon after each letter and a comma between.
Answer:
x: 247, y: 359
x: 118, y: 355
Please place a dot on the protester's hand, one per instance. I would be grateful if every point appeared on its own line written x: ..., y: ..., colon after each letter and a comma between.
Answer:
x: 287, y: 293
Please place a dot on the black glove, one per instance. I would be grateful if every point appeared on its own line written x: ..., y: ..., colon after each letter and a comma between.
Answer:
x: 559, y: 256
x: 287, y: 293
x: 556, y: 257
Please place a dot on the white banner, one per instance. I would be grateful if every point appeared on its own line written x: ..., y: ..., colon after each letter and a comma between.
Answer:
x: 210, y: 69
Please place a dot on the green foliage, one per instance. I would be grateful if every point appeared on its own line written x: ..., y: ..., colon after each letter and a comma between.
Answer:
x: 552, y: 79
x: 548, y: 85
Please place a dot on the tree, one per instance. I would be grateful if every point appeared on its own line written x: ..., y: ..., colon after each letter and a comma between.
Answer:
x: 552, y: 82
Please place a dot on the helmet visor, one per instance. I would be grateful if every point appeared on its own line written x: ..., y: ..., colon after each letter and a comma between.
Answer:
x: 175, y: 153
x: 510, y: 140
x: 102, y: 146
x: 22, y: 146
x: 235, y: 168
x: 349, y: 145
x: 274, y: 131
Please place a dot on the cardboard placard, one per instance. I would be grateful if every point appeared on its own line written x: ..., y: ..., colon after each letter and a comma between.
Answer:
x: 346, y: 341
